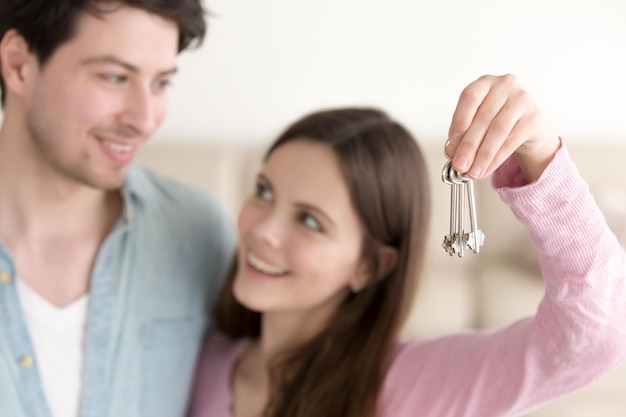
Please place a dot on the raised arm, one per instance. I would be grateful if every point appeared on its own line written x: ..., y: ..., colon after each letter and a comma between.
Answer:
x: 579, y: 331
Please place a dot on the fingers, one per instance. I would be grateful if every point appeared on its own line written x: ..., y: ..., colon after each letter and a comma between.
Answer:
x: 449, y: 149
x: 494, y: 117
x: 469, y: 102
x: 503, y: 135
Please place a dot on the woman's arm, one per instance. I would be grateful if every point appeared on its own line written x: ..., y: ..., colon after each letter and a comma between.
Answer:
x: 577, y: 335
x: 579, y: 331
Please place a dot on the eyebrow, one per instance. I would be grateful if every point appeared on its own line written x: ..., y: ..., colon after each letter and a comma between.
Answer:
x: 113, y: 60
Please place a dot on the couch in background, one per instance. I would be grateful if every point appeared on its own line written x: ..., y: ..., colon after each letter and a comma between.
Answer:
x: 487, y: 290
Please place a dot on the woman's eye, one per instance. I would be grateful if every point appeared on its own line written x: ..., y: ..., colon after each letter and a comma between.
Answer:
x: 311, y: 222
x: 263, y: 192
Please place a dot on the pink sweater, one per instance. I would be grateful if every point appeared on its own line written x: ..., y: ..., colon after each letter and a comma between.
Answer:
x: 577, y: 335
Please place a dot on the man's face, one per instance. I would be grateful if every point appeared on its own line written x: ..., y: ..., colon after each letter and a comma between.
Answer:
x: 100, y: 96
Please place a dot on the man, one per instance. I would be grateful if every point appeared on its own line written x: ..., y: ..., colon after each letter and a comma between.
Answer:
x: 105, y: 267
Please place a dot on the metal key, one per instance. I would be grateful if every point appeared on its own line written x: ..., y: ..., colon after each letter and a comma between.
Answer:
x: 459, y: 184
x: 451, y: 242
x: 476, y: 238
x: 454, y: 242
x: 457, y: 240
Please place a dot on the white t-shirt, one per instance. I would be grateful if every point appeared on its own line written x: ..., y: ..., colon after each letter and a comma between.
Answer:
x: 58, y: 336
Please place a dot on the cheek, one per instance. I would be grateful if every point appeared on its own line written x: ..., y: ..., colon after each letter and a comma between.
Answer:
x: 80, y: 112
x: 335, y: 262
x: 91, y: 107
x: 78, y: 94
x: 246, y: 218
x: 97, y: 111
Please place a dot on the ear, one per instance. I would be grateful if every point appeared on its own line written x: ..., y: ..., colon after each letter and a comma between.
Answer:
x: 360, y: 279
x: 387, y: 261
x: 15, y: 58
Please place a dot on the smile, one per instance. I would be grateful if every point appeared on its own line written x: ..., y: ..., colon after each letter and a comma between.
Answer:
x: 261, y: 266
x: 117, y: 147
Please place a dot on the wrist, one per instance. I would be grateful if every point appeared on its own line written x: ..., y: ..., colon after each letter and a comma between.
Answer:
x: 534, y: 161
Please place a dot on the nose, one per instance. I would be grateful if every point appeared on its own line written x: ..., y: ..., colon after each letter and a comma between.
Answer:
x: 270, y: 230
x: 263, y: 226
x: 141, y: 111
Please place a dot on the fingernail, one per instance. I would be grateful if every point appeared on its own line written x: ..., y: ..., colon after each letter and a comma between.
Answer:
x: 461, y: 164
x: 475, y: 171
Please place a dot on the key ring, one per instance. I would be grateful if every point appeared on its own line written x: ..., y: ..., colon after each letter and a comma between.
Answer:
x: 445, y: 146
x: 445, y: 173
x: 451, y: 176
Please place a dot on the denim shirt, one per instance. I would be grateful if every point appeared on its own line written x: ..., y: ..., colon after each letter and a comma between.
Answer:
x: 154, y: 279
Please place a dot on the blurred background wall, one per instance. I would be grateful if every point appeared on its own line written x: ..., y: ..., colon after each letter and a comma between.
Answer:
x: 264, y: 63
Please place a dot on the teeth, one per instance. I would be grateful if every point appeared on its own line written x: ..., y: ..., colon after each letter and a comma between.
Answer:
x: 117, y: 147
x: 263, y: 267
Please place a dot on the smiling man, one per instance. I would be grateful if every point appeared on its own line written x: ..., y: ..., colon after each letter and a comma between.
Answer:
x: 105, y: 266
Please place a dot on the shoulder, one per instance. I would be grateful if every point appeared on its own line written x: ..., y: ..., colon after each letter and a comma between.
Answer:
x: 158, y: 190
x: 211, y: 393
x: 178, y: 208
x: 218, y: 357
x: 218, y: 347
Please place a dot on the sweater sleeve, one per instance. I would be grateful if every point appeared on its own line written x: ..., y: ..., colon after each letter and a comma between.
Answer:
x: 577, y: 335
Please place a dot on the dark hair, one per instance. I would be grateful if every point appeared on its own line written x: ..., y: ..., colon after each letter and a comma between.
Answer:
x: 47, y: 24
x: 340, y: 371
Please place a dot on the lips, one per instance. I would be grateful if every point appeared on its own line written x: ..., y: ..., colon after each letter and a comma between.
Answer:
x: 118, y: 152
x: 264, y: 267
x: 118, y: 147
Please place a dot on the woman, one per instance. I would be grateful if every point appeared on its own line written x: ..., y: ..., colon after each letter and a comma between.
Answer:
x: 330, y: 253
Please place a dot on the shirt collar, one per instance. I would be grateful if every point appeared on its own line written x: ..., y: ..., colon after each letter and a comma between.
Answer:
x: 136, y: 190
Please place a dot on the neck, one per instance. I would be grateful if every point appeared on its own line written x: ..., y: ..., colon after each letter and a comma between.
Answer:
x: 281, y: 331
x: 37, y: 202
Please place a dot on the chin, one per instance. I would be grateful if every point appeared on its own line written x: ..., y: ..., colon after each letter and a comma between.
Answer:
x: 248, y: 297
x: 105, y: 182
x: 116, y: 186
x: 107, y: 186
x: 251, y: 305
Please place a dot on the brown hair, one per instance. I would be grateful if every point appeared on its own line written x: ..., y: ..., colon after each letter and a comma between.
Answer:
x: 340, y: 372
x: 47, y: 24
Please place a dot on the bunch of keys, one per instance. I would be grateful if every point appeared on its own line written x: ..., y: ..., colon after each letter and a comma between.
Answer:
x: 461, y: 185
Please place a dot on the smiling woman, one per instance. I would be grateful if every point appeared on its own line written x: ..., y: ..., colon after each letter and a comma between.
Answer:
x: 291, y: 223
x: 330, y: 254
x: 321, y: 217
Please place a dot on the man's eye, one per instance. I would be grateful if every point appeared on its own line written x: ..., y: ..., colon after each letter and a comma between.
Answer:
x: 113, y: 78
x: 263, y: 192
x: 162, y: 84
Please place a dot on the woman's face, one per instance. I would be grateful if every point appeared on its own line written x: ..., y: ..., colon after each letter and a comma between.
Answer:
x: 300, y: 236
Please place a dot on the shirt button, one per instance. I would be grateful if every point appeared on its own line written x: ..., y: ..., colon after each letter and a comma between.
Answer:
x: 27, y: 361
x: 5, y: 277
